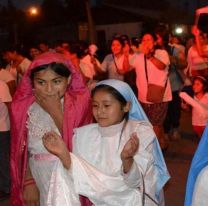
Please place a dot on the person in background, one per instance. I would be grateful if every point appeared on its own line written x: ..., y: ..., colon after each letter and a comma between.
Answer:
x: 154, y: 64
x: 34, y: 52
x: 5, y: 100
x: 44, y: 47
x: 17, y: 62
x: 199, y: 121
x: 175, y: 75
x: 198, y: 54
x: 7, y: 77
x: 116, y: 64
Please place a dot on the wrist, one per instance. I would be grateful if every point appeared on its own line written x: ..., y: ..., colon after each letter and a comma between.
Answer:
x: 29, y: 181
x: 127, y: 159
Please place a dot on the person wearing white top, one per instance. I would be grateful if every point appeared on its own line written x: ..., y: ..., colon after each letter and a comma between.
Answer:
x: 155, y: 72
x: 118, y: 160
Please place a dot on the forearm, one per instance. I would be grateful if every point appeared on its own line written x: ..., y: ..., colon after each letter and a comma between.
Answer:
x: 127, y: 163
x: 66, y: 160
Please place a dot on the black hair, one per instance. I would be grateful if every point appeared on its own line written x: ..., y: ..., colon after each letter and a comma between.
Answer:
x: 18, y: 48
x: 119, y: 39
x: 135, y: 41
x: 203, y: 80
x: 58, y: 68
x: 113, y: 92
x: 126, y: 39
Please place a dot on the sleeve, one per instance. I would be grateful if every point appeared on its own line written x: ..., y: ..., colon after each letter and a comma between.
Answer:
x: 163, y: 56
x: 148, y: 164
x: 4, y: 92
x: 104, y: 65
x: 84, y: 179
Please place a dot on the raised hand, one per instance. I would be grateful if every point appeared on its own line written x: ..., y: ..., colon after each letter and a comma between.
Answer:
x: 130, y: 148
x: 50, y: 103
x: 55, y: 145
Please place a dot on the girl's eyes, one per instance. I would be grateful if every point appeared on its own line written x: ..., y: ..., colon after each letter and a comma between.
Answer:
x: 57, y: 81
x: 40, y: 82
x: 105, y: 105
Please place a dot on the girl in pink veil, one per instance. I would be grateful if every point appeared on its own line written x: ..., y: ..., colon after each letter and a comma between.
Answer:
x: 31, y: 118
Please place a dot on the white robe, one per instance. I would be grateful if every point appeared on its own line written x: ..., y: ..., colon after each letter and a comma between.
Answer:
x: 102, y: 146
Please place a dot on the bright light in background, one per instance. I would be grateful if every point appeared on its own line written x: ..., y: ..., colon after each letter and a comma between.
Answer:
x: 178, y: 30
x: 33, y: 11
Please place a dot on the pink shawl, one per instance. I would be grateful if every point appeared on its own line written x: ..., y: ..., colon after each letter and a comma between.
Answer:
x: 77, y: 112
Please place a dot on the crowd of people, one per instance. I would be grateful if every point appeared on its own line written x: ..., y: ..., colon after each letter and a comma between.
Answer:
x: 76, y: 129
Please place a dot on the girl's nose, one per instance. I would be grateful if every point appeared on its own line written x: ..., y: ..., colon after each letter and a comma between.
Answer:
x: 48, y: 88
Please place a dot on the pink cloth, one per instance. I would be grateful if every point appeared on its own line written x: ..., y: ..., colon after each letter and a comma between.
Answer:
x: 77, y: 112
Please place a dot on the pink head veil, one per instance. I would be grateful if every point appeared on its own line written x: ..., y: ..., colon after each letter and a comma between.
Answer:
x: 77, y: 112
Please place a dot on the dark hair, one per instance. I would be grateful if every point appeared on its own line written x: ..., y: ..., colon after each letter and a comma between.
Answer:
x: 58, y: 68
x: 126, y: 39
x: 203, y: 80
x: 113, y: 92
x: 135, y: 41
x: 119, y: 39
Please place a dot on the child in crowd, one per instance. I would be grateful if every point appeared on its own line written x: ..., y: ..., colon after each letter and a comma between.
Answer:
x: 51, y: 96
x: 5, y: 99
x: 199, y: 118
x: 118, y: 160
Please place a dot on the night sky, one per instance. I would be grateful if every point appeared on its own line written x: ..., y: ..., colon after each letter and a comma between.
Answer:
x: 28, y: 3
x: 22, y: 3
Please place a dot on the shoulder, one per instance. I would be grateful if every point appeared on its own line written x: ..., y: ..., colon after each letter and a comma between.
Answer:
x: 143, y: 129
x: 85, y: 133
x: 84, y: 137
x: 161, y: 52
x: 108, y: 57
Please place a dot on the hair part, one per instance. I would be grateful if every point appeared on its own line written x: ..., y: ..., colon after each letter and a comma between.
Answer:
x: 58, y: 68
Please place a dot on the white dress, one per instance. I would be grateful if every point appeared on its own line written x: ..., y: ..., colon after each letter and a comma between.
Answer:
x: 42, y: 163
x: 101, y: 147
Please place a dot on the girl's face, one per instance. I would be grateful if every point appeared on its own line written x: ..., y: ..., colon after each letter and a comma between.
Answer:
x: 107, y: 110
x: 148, y: 41
x: 34, y: 52
x: 116, y: 47
x: 47, y: 82
x: 198, y: 86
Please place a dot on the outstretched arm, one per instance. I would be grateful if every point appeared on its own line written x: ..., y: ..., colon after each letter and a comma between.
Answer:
x: 55, y: 145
